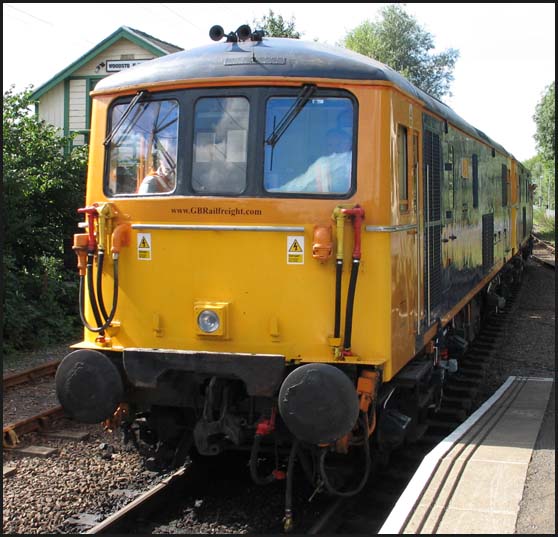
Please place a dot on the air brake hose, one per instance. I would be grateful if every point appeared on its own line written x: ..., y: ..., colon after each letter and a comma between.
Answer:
x: 91, y: 289
x: 100, y: 263
x: 120, y: 238
x: 367, y: 465
x: 357, y: 213
x: 101, y: 326
x: 350, y: 303
x: 288, y: 520
x: 339, y: 217
x: 338, y: 275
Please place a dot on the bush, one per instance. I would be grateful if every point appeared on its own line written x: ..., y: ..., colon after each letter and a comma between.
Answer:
x: 43, y: 184
x: 544, y: 225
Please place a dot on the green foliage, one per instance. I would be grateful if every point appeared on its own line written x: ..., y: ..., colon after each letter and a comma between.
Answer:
x: 543, y: 165
x: 544, y: 225
x: 542, y: 175
x: 276, y: 26
x: 398, y: 41
x: 43, y: 187
x: 545, y: 119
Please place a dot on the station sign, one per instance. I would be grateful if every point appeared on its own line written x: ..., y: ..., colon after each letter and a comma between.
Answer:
x: 114, y: 66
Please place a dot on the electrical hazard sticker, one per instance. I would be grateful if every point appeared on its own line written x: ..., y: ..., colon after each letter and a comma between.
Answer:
x: 295, y: 250
x: 144, y: 246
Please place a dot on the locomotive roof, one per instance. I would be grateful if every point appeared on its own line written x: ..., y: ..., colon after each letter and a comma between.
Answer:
x: 276, y: 57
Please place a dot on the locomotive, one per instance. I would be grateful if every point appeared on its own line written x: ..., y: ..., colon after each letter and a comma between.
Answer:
x: 283, y: 245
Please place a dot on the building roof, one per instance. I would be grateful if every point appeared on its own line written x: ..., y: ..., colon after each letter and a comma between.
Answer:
x: 155, y: 46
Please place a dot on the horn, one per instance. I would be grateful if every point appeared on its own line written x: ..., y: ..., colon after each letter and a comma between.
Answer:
x: 244, y: 32
x: 216, y: 32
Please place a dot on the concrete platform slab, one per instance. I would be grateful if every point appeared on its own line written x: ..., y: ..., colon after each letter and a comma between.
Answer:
x: 473, y: 481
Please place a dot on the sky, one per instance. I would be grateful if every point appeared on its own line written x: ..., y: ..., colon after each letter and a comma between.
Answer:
x: 506, y: 62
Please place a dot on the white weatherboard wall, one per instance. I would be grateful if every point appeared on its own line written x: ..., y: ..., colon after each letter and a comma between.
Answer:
x: 51, y: 109
x: 77, y: 105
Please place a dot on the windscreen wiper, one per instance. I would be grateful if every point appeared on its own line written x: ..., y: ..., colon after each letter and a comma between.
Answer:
x: 133, y: 102
x: 303, y: 97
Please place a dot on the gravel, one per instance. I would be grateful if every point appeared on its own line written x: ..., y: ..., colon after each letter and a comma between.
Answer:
x: 44, y: 494
x: 26, y: 400
x: 79, y: 478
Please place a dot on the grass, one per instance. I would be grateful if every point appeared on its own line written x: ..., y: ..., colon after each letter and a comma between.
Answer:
x: 544, y: 226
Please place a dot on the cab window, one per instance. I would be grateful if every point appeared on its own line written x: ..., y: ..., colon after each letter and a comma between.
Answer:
x: 142, y: 151
x: 220, y: 145
x: 324, y: 128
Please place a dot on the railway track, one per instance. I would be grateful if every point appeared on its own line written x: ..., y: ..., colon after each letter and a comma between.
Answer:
x: 13, y: 432
x: 164, y: 503
x: 544, y: 253
x: 145, y: 504
x: 44, y: 370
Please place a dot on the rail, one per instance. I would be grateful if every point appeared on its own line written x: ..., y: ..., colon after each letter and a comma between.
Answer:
x: 28, y: 375
x: 142, y: 505
x: 14, y: 431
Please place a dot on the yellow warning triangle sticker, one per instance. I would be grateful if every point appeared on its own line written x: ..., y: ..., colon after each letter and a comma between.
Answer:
x: 295, y: 247
x: 143, y: 243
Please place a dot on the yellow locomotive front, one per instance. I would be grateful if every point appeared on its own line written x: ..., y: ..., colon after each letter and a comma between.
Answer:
x: 224, y: 231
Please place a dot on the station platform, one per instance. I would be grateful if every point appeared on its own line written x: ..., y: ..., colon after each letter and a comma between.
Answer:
x: 473, y: 481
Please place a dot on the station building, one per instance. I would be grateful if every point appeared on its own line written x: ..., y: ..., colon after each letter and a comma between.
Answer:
x: 64, y: 100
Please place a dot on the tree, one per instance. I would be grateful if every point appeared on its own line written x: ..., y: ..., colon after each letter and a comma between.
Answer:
x: 542, y: 174
x: 400, y: 42
x: 545, y: 119
x: 43, y: 187
x: 276, y: 26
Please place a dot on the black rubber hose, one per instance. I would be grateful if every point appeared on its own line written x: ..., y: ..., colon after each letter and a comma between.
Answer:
x: 338, y: 273
x: 350, y: 303
x: 100, y: 263
x: 367, y: 466
x: 254, y: 464
x: 290, y: 478
x: 91, y: 289
x: 82, y: 306
x: 114, y: 292
x: 101, y: 327
x: 306, y: 464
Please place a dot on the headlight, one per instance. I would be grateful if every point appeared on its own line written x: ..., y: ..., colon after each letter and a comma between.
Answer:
x: 212, y: 319
x: 208, y: 321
